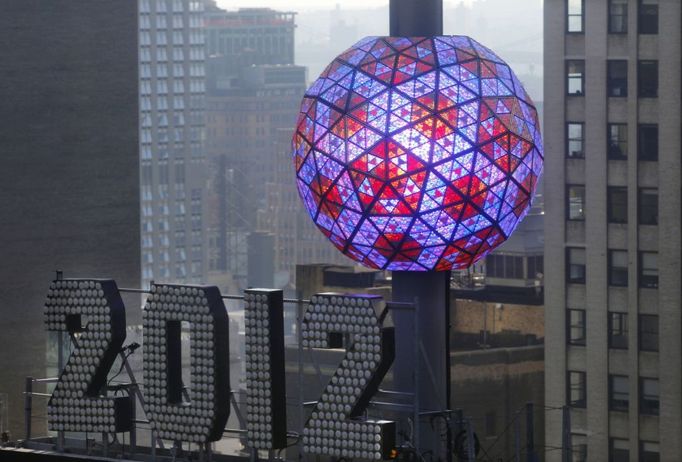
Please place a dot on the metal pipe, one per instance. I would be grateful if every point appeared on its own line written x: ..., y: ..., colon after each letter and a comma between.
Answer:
x: 47, y: 380
x: 134, y: 291
x: 42, y: 395
x: 28, y: 404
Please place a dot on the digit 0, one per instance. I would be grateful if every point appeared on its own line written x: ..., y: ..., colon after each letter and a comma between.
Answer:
x: 203, y: 416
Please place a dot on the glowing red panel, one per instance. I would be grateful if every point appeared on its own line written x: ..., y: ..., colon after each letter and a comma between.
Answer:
x: 417, y: 154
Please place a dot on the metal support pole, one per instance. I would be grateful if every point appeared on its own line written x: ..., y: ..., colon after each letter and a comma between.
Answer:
x: 471, y: 442
x: 517, y: 438
x: 421, y: 366
x: 105, y: 444
x: 416, y: 18
x: 566, y: 443
x: 530, y: 436
x: 28, y: 405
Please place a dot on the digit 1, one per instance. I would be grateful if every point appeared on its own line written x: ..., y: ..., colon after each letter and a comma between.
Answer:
x: 203, y: 417
x: 79, y: 402
x: 265, y: 382
x: 335, y: 427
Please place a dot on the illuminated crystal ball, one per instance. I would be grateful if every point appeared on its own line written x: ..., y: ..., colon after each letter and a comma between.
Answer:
x: 417, y: 154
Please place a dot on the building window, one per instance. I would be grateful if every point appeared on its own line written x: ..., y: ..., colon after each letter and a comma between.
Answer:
x: 575, y: 259
x: 617, y: 78
x: 649, y: 452
x: 648, y: 332
x: 579, y: 447
x: 618, y: 330
x: 647, y: 142
x: 504, y: 266
x: 577, y: 389
x: 648, y: 396
x: 618, y: 268
x: 617, y: 138
x: 617, y: 204
x: 619, y: 450
x: 648, y: 17
x: 574, y: 17
x: 536, y: 266
x: 648, y: 269
x: 575, y: 327
x: 576, y: 202
x: 648, y: 206
x: 619, y: 396
x: 575, y: 140
x: 647, y: 78
x: 575, y: 76
x: 618, y: 16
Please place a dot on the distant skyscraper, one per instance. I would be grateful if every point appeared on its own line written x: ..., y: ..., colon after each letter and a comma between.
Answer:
x: 253, y: 93
x: 612, y: 230
x: 173, y: 175
x: 70, y: 171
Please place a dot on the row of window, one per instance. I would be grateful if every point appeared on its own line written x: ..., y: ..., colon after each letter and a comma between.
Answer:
x: 619, y: 450
x: 196, y: 53
x: 647, y: 16
x: 177, y: 70
x: 619, y: 392
x: 618, y: 333
x: 161, y: 87
x: 511, y: 267
x: 616, y: 141
x: 617, y: 267
x: 617, y: 78
x: 617, y: 204
x: 164, y: 272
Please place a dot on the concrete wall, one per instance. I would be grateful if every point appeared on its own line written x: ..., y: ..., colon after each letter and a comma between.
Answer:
x: 69, y: 177
x: 471, y: 317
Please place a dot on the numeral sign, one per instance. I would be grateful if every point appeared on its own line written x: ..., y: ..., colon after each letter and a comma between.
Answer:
x: 265, y: 382
x: 79, y: 402
x: 203, y: 417
x: 198, y: 413
x: 335, y: 427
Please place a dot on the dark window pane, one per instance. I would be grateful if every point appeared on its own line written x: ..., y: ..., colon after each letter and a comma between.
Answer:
x: 619, y: 451
x: 648, y: 269
x: 617, y: 138
x: 648, y: 206
x: 648, y: 332
x: 579, y: 448
x: 647, y: 79
x: 577, y: 389
x: 618, y: 16
x: 576, y: 202
x: 576, y: 327
x: 618, y: 330
x: 648, y: 396
x: 619, y: 396
x: 575, y: 76
x: 617, y: 204
x: 648, y: 17
x: 618, y: 268
x: 648, y: 452
x: 575, y: 258
x: 617, y: 78
x: 647, y: 142
x: 574, y: 140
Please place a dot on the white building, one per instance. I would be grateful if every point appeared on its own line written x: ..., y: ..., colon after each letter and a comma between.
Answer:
x: 613, y: 292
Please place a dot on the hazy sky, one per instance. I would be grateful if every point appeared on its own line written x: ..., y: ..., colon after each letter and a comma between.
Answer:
x: 298, y: 5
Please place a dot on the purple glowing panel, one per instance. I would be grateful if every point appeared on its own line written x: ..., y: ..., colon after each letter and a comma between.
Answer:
x: 416, y: 154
